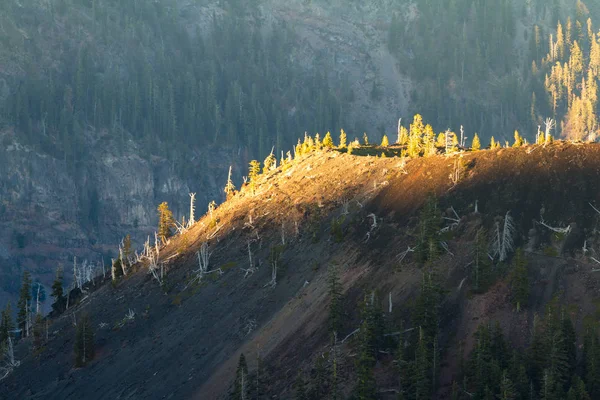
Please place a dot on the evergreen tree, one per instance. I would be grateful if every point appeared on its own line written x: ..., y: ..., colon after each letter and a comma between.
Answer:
x: 165, y: 222
x: 548, y: 390
x: 366, y: 387
x: 260, y: 390
x: 84, y: 341
x: 518, y: 140
x: 300, y: 388
x: 428, y: 231
x: 24, y: 303
x: 328, y: 141
x: 254, y: 172
x: 480, y: 271
x: 422, y: 369
x: 476, y: 145
x: 269, y: 163
x: 591, y: 360
x: 417, y: 128
x: 494, y: 144
x: 520, y: 281
x: 427, y: 307
x: 58, y: 306
x: 342, y: 139
x: 321, y: 379
x: 429, y: 141
x: 384, y: 141
x: 298, y: 150
x: 241, y: 385
x: 403, y: 136
x: 371, y: 313
x: 577, y: 390
x: 6, y: 325
x: 127, y: 248
x: 38, y: 331
x: 507, y: 388
x: 335, y: 304
x: 318, y: 144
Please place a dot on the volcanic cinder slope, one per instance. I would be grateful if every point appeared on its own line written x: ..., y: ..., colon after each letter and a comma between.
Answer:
x: 186, y: 336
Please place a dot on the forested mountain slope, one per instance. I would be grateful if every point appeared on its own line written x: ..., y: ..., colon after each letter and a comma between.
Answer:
x: 108, y: 108
x: 431, y: 250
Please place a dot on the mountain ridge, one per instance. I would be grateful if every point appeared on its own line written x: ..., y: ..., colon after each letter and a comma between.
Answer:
x: 287, y: 321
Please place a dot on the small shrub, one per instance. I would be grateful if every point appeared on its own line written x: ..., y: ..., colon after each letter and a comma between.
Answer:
x: 337, y: 231
x: 550, y: 251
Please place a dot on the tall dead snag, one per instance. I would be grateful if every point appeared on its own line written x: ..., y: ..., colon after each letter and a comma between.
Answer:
x: 503, y: 243
x: 229, y: 186
x: 274, y: 260
x: 192, y: 210
x: 9, y: 363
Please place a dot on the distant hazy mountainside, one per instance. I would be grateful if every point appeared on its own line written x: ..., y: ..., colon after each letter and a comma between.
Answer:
x: 108, y: 108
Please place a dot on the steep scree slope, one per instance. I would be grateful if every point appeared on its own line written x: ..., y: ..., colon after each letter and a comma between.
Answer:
x: 185, y: 339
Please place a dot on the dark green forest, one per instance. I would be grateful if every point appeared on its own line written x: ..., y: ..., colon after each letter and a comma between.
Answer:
x: 150, y: 71
x: 477, y: 66
x: 139, y: 70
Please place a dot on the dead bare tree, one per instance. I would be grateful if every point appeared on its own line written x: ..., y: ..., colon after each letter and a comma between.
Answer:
x: 158, y: 272
x: 76, y: 277
x: 463, y: 138
x: 274, y: 258
x: 9, y: 363
x: 345, y: 206
x: 192, y: 219
x: 457, y: 171
x: 374, y: 223
x: 251, y: 269
x: 564, y: 231
x: 403, y: 255
x: 37, y: 300
x: 454, y: 221
x: 203, y: 262
x: 549, y: 124
x: 211, y: 209
x: 503, y: 243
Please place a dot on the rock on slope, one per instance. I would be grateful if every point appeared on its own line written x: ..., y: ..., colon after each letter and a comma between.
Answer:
x: 185, y: 338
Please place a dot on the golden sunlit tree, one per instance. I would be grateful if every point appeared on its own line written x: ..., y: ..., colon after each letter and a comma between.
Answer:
x: 384, y: 141
x: 429, y: 141
x: 415, y: 136
x: 441, y: 140
x: 165, y: 221
x: 494, y: 144
x: 476, y: 144
x: 343, y: 139
x: 318, y: 144
x: 403, y: 136
x: 518, y: 140
x: 328, y: 141
x: 269, y: 163
x: 253, y: 173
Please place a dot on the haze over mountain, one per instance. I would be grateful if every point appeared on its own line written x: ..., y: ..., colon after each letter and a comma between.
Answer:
x: 109, y: 109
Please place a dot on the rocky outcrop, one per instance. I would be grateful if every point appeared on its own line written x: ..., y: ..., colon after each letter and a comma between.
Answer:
x: 50, y: 213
